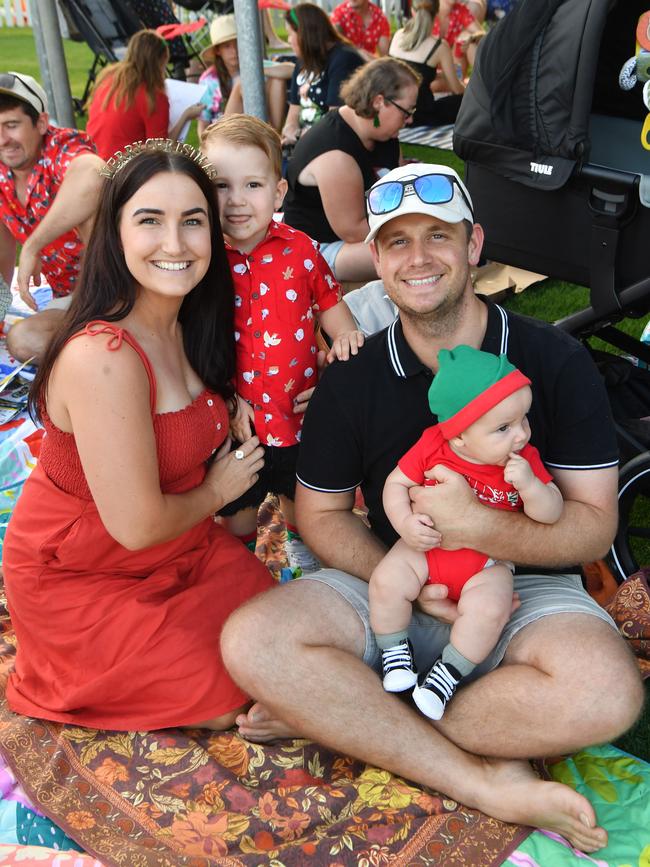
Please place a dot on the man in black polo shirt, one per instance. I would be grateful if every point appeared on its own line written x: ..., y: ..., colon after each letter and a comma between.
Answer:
x: 560, y: 677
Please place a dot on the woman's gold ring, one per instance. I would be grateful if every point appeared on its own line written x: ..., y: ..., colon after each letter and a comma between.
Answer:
x: 239, y: 455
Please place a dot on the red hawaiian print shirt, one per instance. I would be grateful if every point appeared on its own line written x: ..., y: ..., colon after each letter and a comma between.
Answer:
x: 62, y: 258
x: 351, y: 24
x: 279, y: 287
x: 459, y: 18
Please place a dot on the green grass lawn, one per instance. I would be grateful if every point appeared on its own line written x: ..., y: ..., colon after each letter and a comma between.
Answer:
x: 18, y: 52
x: 549, y: 300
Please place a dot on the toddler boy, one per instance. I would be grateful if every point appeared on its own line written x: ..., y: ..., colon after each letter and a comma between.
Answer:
x: 283, y: 287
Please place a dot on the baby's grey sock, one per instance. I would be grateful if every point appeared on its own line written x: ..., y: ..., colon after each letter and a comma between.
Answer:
x: 462, y: 665
x: 390, y: 639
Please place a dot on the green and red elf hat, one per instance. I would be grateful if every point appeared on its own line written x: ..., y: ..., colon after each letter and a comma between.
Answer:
x: 468, y: 384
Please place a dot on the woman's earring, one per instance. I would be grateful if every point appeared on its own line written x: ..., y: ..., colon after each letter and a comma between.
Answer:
x: 376, y: 123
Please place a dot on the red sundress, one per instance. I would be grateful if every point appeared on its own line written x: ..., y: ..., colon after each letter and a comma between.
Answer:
x: 118, y: 639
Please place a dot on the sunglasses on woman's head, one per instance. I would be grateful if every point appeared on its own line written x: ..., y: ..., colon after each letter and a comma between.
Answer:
x: 433, y: 189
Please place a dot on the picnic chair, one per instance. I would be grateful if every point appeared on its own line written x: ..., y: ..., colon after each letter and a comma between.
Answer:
x: 105, y: 25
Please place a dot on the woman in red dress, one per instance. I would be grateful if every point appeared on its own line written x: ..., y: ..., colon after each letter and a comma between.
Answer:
x: 118, y: 579
x: 129, y: 102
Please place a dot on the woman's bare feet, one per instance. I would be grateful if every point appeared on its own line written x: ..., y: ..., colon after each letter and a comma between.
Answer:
x: 259, y: 726
x: 514, y: 793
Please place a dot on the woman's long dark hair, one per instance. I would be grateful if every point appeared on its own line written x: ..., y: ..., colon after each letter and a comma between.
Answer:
x: 106, y: 288
x: 316, y: 35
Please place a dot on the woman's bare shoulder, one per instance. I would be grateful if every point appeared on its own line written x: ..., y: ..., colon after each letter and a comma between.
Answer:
x: 98, y: 372
x: 99, y: 356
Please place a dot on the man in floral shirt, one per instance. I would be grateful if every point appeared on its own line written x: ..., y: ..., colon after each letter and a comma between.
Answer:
x: 365, y: 25
x: 49, y: 187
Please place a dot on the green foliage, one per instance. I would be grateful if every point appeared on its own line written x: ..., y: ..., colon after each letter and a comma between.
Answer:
x: 434, y: 155
x: 551, y: 300
x: 596, y: 775
x: 18, y: 51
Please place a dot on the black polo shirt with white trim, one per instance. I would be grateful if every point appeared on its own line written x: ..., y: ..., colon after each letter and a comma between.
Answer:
x: 368, y: 411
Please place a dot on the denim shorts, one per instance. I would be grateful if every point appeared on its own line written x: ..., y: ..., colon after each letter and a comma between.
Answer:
x: 540, y: 595
x: 329, y: 251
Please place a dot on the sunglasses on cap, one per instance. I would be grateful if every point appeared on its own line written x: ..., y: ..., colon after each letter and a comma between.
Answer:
x: 434, y: 189
x: 7, y: 81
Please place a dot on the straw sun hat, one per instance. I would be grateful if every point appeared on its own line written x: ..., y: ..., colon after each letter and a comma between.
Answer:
x: 222, y: 29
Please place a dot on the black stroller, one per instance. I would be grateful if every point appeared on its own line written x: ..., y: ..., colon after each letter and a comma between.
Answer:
x: 106, y: 27
x: 561, y: 183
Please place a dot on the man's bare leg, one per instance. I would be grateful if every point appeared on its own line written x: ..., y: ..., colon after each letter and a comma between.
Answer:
x: 547, y: 698
x: 298, y: 648
x: 30, y: 337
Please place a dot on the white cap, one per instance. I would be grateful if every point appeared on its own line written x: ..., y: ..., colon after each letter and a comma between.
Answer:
x: 453, y: 211
x: 25, y: 88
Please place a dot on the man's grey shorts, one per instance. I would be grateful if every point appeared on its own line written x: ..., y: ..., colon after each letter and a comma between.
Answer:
x: 540, y: 595
x: 59, y: 303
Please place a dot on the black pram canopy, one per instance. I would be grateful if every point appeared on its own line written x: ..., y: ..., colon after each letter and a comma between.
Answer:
x: 538, y: 76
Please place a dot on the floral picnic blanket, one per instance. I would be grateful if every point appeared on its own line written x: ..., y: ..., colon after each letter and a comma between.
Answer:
x: 618, y: 785
x: 197, y: 798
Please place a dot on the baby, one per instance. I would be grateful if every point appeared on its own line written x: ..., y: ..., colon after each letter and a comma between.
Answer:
x: 481, y: 402
x: 283, y: 287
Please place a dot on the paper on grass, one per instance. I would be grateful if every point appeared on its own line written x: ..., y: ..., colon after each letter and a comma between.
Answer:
x: 182, y: 94
x: 498, y: 280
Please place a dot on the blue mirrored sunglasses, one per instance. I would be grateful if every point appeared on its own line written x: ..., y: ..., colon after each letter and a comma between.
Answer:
x: 434, y: 189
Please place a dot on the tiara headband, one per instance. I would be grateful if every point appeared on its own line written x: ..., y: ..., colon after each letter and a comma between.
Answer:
x: 156, y: 145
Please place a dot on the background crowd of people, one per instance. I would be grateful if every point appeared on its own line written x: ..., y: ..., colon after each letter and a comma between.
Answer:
x: 321, y: 51
x: 339, y: 95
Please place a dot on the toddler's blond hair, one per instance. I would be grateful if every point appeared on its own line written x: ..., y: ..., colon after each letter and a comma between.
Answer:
x: 244, y: 129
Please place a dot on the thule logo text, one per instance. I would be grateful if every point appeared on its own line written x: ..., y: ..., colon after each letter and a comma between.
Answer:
x: 541, y: 169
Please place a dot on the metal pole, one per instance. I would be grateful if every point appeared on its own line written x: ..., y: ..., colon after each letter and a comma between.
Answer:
x: 251, y: 52
x: 46, y: 79
x: 56, y: 71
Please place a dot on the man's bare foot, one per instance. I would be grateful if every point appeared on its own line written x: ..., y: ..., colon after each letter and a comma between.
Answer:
x: 259, y: 726
x: 514, y: 793
x: 511, y: 791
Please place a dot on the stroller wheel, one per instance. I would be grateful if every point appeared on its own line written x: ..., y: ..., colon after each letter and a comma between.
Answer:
x: 631, y: 548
